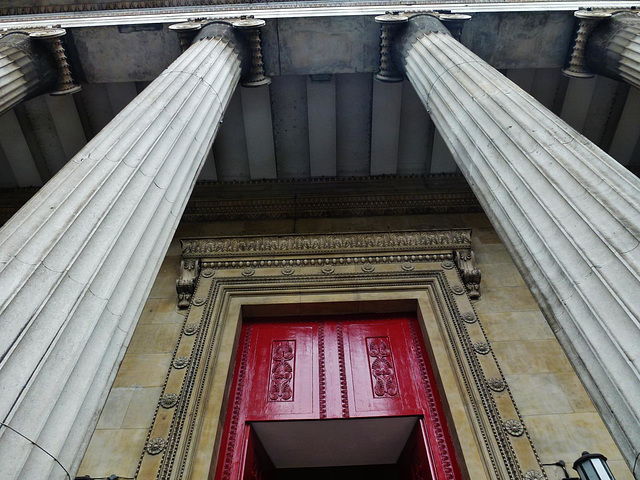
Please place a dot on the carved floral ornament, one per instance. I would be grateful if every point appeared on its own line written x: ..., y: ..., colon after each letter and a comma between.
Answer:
x: 205, y: 257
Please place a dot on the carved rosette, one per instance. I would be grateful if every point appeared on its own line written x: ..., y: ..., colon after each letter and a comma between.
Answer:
x: 533, y: 475
x: 368, y: 268
x: 288, y: 270
x: 155, y: 445
x: 469, y: 317
x: 186, y: 283
x: 466, y: 263
x: 481, y: 348
x: 180, y: 362
x: 496, y: 384
x: 191, y: 329
x: 328, y: 269
x: 169, y: 400
x: 513, y: 427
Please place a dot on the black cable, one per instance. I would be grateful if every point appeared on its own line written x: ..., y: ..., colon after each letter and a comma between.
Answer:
x: 34, y: 443
x: 635, y: 464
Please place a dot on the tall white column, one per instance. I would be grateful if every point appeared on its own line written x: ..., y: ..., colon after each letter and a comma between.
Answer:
x: 78, y: 260
x: 568, y: 213
x: 26, y: 70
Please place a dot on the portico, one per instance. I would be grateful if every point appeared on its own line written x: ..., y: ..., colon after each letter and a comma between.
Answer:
x: 78, y: 261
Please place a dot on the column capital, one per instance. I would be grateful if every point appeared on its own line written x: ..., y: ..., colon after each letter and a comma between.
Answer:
x: 242, y: 33
x: 389, y: 24
x: 53, y: 40
x: 611, y: 49
x: 577, y: 63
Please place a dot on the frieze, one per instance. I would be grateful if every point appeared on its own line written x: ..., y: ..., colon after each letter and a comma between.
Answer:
x: 298, y: 244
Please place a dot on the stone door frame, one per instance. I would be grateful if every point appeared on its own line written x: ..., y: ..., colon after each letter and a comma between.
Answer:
x: 430, y: 273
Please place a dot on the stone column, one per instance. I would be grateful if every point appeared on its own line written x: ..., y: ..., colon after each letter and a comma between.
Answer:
x: 27, y: 70
x: 613, y: 49
x: 567, y: 212
x: 78, y: 260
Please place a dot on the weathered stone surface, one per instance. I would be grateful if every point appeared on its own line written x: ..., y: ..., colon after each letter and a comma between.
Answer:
x: 569, y: 214
x: 26, y: 70
x: 78, y: 261
x: 613, y: 49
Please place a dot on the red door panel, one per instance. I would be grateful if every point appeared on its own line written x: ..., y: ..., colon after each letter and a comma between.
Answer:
x: 415, y: 461
x: 379, y: 373
x: 284, y: 374
x: 257, y: 465
x: 331, y: 367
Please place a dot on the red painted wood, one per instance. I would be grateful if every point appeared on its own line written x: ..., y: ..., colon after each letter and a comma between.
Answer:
x: 270, y: 369
x: 256, y: 464
x: 415, y: 461
x: 334, y: 367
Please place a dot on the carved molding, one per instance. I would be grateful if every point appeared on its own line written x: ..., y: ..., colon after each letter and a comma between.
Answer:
x: 471, y: 276
x: 255, y: 264
x: 340, y: 242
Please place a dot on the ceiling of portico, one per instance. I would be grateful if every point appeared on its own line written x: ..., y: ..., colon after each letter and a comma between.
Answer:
x: 320, y: 68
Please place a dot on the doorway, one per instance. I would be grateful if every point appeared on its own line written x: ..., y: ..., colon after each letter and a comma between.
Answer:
x: 335, y: 395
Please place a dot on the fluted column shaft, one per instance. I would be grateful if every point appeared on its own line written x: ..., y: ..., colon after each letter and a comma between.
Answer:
x: 78, y: 260
x: 567, y: 212
x: 27, y: 70
x: 613, y: 49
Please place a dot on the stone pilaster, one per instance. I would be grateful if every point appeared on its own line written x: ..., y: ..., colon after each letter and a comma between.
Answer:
x: 77, y: 262
x: 568, y: 213
x: 27, y: 70
x: 613, y: 49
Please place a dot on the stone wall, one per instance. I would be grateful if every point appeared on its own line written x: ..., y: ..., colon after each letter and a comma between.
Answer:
x: 557, y: 411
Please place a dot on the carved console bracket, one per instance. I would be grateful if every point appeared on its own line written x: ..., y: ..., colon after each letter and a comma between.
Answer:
x: 249, y: 29
x: 186, y: 282
x: 577, y: 61
x: 389, y: 23
x: 52, y: 39
x: 471, y: 276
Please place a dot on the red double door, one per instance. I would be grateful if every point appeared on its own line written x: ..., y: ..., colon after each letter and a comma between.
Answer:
x: 337, y: 367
